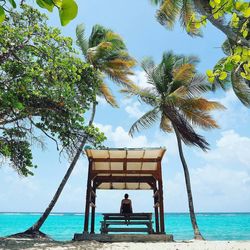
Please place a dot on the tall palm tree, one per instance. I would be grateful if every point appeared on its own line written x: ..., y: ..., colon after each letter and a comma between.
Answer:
x: 175, y: 99
x: 107, y: 53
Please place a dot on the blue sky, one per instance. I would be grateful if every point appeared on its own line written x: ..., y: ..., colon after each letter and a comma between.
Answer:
x: 220, y: 178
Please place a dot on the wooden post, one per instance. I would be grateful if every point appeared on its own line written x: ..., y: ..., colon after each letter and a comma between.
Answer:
x: 161, y: 207
x: 86, y: 220
x: 93, y: 194
x: 162, y: 224
x: 156, y: 199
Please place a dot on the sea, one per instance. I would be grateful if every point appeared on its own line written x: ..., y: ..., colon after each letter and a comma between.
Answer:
x: 63, y: 226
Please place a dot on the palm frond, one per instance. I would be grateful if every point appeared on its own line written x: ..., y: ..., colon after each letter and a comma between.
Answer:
x: 81, y: 40
x: 184, y: 128
x: 186, y: 11
x: 184, y: 73
x: 198, y: 85
x: 98, y: 35
x: 107, y: 94
x: 182, y: 59
x: 120, y: 77
x: 167, y: 65
x: 147, y: 95
x: 116, y: 40
x: 146, y: 121
x: 168, y: 12
x: 201, y: 104
x: 147, y: 64
x: 193, y: 89
x: 196, y: 110
x: 200, y: 119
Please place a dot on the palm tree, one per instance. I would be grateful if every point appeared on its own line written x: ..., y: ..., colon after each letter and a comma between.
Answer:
x: 107, y: 53
x: 176, y: 103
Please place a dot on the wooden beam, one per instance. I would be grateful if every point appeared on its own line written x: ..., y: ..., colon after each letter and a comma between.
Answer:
x: 126, y: 159
x: 124, y: 179
x: 92, y: 230
x: 161, y: 200
x: 139, y: 172
x: 86, y: 219
x: 156, y: 208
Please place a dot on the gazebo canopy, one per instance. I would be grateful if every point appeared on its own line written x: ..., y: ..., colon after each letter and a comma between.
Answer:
x: 125, y: 168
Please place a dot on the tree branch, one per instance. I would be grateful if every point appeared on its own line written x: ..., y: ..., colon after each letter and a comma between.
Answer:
x: 228, y: 31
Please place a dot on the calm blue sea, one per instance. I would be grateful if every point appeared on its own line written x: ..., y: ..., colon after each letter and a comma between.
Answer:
x: 214, y: 226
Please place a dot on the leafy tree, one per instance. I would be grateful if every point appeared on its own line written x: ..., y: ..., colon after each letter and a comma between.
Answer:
x: 44, y: 89
x: 106, y: 52
x: 229, y: 16
x: 175, y: 99
x: 67, y: 9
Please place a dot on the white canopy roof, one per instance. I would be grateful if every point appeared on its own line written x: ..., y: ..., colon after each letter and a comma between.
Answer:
x: 125, y: 168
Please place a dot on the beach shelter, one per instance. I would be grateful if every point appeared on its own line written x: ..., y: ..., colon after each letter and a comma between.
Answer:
x: 125, y: 169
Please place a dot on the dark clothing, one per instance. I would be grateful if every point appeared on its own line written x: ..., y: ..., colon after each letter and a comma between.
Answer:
x: 126, y: 208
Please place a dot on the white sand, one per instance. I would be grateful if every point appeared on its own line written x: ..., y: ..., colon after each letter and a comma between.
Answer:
x: 15, y: 244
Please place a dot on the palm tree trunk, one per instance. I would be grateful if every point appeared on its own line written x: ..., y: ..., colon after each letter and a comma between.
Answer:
x: 197, y: 234
x: 34, y: 230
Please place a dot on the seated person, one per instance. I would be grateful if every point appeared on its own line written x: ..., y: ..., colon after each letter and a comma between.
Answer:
x: 126, y: 205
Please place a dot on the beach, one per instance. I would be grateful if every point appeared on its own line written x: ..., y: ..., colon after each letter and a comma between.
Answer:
x: 14, y: 244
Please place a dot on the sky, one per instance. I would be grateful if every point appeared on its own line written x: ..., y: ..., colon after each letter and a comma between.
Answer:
x: 220, y: 178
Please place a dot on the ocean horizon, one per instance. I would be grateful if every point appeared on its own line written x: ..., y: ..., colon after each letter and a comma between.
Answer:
x: 63, y: 225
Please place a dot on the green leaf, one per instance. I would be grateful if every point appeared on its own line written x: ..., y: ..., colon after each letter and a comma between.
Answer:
x: 236, y: 58
x: 223, y: 75
x: 211, y: 79
x: 13, y: 3
x: 229, y: 66
x: 197, y: 25
x: 246, y: 12
x: 19, y: 105
x: 210, y: 73
x: 2, y: 14
x: 245, y: 33
x: 46, y: 4
x: 68, y: 11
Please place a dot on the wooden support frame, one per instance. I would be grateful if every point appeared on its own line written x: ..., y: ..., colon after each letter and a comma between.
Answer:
x: 152, y: 177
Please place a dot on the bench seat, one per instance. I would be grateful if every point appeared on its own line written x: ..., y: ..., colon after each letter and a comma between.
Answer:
x: 114, y: 219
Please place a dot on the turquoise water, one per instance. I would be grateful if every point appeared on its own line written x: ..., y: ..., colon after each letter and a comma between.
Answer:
x: 214, y: 226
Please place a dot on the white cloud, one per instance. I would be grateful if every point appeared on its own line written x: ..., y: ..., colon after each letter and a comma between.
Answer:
x: 235, y: 115
x: 134, y: 110
x: 118, y: 137
x: 231, y: 148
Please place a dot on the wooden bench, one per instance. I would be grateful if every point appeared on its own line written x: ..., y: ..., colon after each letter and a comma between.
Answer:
x: 117, y: 219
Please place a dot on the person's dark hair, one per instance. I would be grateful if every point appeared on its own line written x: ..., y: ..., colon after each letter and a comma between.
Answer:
x: 126, y: 196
